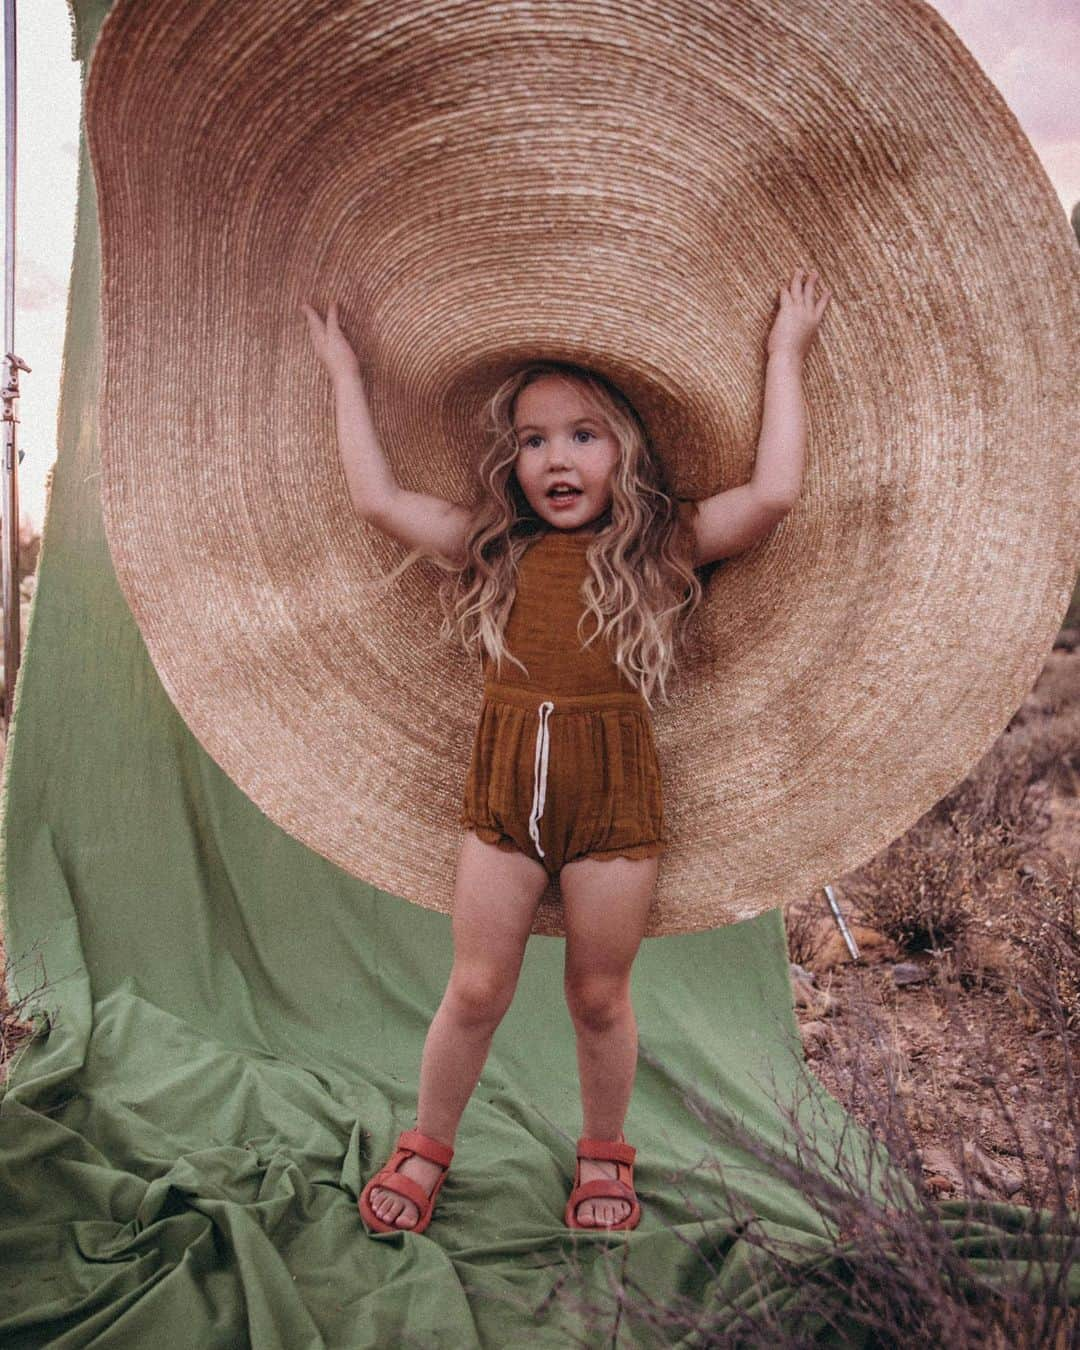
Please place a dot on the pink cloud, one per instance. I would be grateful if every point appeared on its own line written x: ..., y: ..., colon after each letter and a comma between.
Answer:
x: 1031, y: 52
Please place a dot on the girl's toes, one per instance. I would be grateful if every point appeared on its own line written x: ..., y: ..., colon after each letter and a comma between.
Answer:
x: 597, y: 1213
x: 407, y: 1217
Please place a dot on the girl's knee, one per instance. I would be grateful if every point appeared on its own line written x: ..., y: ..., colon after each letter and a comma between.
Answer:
x: 597, y: 1001
x: 479, y: 994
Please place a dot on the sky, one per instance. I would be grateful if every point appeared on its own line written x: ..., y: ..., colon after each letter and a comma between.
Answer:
x: 1029, y: 49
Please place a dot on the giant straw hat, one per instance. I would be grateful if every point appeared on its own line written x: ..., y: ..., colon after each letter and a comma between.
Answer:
x: 626, y: 186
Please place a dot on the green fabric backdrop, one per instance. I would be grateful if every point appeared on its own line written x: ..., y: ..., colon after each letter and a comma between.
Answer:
x: 230, y: 1038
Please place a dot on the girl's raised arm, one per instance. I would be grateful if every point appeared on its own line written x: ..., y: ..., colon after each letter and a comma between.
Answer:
x: 737, y: 518
x: 414, y: 518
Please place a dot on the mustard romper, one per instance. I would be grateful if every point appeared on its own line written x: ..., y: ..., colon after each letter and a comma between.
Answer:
x: 564, y: 763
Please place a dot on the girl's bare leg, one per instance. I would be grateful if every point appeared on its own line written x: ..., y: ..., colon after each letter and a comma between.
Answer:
x: 495, y: 898
x: 605, y: 905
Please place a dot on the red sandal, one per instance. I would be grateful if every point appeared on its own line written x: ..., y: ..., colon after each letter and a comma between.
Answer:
x: 620, y: 1187
x: 408, y: 1143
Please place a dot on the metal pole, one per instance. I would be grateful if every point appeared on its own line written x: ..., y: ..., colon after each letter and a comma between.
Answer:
x: 9, y: 497
x: 845, y: 931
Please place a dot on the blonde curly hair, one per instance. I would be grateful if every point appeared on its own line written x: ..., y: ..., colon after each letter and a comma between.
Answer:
x: 641, y: 587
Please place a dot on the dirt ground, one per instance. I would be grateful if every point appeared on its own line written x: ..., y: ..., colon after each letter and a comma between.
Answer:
x: 934, y: 1046
x: 986, y: 1084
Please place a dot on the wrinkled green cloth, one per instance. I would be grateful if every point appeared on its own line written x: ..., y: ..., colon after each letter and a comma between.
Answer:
x: 230, y: 1034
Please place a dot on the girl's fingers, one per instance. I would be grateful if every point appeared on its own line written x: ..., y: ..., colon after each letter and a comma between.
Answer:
x: 801, y: 279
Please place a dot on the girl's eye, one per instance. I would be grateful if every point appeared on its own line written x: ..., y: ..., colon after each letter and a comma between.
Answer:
x: 529, y: 439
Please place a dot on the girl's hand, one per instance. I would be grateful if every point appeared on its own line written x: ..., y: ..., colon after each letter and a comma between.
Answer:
x: 794, y: 327
x: 330, y: 343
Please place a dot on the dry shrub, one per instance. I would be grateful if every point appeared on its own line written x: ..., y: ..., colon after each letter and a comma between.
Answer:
x: 16, y: 1026
x: 919, y: 890
x: 802, y: 924
x: 1055, y: 753
x: 928, y: 886
x: 1043, y: 924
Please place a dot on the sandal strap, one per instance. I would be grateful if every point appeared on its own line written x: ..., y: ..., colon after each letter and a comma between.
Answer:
x: 432, y: 1149
x: 606, y: 1150
x: 402, y: 1184
x: 603, y: 1188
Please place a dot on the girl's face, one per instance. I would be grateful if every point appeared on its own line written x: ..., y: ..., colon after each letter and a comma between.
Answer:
x: 562, y: 440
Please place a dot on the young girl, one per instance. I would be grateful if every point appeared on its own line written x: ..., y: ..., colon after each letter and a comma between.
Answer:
x: 572, y: 522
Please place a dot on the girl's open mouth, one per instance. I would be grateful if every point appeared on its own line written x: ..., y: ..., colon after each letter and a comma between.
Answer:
x: 564, y: 499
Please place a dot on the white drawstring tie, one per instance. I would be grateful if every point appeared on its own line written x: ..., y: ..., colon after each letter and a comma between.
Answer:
x: 540, y: 768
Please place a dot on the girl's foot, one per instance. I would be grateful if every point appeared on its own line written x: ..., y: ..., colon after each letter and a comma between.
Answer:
x: 601, y: 1211
x: 394, y: 1208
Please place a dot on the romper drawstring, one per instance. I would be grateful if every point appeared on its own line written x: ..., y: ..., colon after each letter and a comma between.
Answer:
x: 540, y: 768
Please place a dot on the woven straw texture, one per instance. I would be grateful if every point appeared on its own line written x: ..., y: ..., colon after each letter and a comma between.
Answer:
x: 624, y: 185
